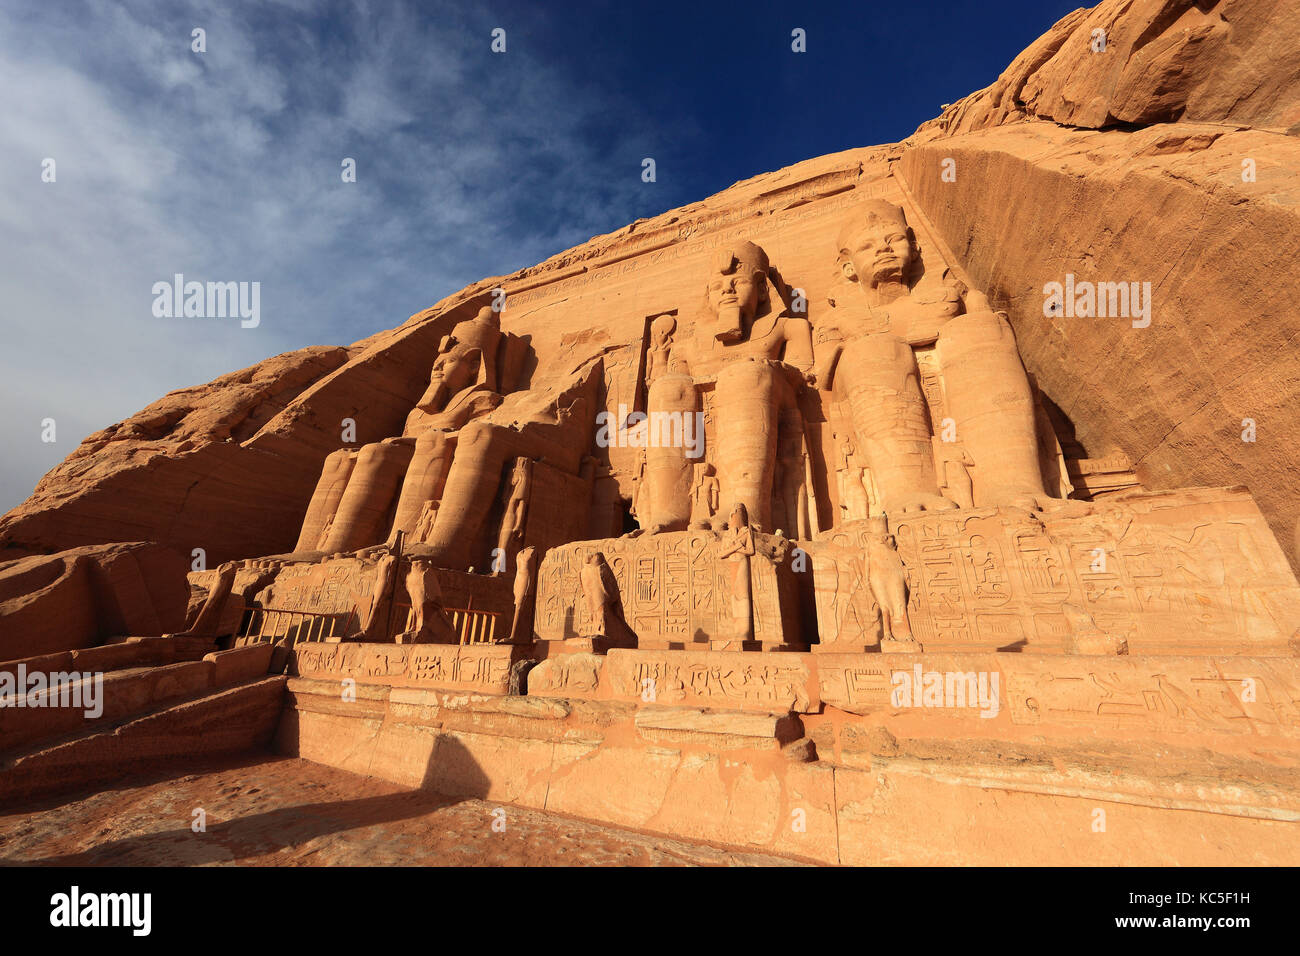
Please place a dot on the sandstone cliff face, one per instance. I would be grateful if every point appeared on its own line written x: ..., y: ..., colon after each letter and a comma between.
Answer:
x: 1170, y: 158
x: 1051, y: 178
x: 1235, y: 62
x: 82, y: 596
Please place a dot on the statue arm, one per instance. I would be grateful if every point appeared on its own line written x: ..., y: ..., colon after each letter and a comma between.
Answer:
x: 798, y: 344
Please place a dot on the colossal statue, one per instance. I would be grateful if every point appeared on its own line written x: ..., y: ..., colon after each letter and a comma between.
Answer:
x: 866, y: 354
x: 428, y: 483
x: 754, y: 354
x: 354, y: 497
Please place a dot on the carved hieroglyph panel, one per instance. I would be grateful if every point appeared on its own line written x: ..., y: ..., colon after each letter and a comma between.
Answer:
x: 485, y: 669
x: 1115, y: 694
x: 1193, y: 570
x: 733, y: 680
x: 673, y: 588
x: 334, y: 586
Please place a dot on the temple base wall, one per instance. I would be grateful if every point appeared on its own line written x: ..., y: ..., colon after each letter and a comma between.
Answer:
x: 842, y: 774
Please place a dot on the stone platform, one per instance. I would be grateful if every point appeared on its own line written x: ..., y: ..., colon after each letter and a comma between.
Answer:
x: 820, y: 764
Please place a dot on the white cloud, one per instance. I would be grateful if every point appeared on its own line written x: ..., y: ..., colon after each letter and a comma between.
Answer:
x: 225, y: 166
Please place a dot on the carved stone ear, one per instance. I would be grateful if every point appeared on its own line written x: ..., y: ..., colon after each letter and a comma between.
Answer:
x: 846, y: 266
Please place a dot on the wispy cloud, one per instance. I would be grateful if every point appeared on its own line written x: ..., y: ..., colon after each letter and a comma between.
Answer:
x: 225, y: 165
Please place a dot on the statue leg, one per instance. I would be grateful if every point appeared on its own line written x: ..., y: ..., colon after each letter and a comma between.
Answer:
x: 671, y: 403
x: 747, y: 406
x: 482, y: 451
x: 363, y: 511
x: 878, y: 377
x: 425, y: 478
x: 325, y: 499
x: 989, y: 397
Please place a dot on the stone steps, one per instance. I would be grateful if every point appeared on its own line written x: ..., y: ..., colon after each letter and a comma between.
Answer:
x: 131, y: 690
x: 239, y: 717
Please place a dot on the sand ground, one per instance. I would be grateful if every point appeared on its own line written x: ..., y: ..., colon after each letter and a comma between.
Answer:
x: 263, y: 810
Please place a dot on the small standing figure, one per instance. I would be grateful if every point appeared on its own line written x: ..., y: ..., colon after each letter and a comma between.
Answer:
x: 888, y: 582
x: 737, y: 551
x: 374, y: 626
x: 790, y: 482
x: 424, y: 524
x: 641, y: 492
x: 953, y: 464
x: 661, y: 343
x: 521, y: 628
x: 426, y: 623
x: 704, y: 497
x: 603, y: 604
x: 516, y: 512
x: 852, y: 482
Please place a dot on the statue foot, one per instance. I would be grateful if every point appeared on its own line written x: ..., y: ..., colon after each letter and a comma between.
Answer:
x: 900, y: 645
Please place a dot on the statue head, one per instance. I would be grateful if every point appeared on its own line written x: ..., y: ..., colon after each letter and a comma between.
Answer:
x: 878, y: 528
x: 489, y: 315
x: 737, y: 289
x: 661, y: 330
x: 739, y: 517
x: 877, y: 245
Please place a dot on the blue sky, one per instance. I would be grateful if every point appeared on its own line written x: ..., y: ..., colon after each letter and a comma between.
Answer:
x: 225, y: 165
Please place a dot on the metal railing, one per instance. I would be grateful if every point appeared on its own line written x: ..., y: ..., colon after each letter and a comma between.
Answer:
x: 473, y: 627
x: 267, y: 623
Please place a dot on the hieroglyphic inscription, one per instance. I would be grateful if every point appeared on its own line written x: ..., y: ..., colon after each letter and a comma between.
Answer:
x: 461, y: 667
x: 734, y: 680
x: 672, y: 587
x: 1142, y: 570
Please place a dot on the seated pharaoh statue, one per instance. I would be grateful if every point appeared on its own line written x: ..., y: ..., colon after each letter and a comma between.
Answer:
x: 754, y: 353
x: 429, y: 483
x: 866, y: 355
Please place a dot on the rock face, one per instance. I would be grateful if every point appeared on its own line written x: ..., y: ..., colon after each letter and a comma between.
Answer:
x: 1140, y: 62
x: 1159, y: 160
x: 82, y: 596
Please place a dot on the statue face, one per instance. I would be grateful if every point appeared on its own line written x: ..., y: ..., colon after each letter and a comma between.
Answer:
x: 882, y: 251
x: 738, y: 290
